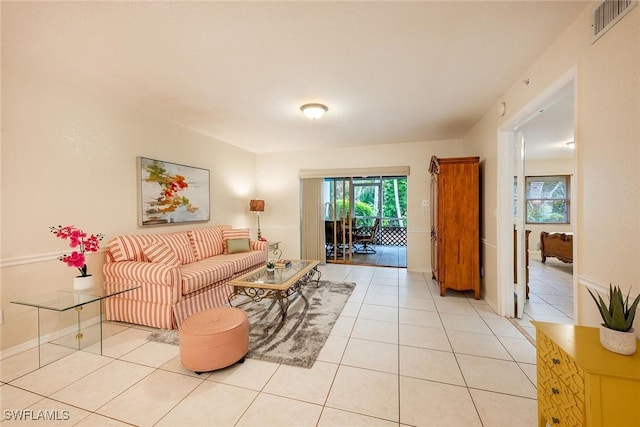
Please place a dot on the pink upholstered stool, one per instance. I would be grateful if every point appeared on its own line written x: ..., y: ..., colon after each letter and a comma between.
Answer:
x: 214, y: 339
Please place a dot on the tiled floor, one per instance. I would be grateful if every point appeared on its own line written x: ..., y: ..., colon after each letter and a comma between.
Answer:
x: 399, y: 355
x: 550, y: 293
x: 384, y: 256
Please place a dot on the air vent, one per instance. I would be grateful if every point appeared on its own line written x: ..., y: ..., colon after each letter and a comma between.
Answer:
x: 607, y: 14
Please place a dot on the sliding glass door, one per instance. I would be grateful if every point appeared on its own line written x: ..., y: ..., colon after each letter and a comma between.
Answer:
x: 365, y: 220
x: 338, y: 219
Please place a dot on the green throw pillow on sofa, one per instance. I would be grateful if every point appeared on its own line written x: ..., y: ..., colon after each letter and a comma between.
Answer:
x: 235, y: 246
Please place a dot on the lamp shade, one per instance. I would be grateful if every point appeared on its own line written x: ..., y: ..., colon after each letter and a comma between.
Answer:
x: 256, y: 205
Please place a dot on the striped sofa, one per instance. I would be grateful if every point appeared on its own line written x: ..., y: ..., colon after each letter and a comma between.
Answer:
x: 178, y: 273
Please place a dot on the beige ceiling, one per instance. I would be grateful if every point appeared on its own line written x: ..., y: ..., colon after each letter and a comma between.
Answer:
x: 389, y: 72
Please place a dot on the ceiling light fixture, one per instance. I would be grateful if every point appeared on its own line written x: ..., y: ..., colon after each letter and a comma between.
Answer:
x: 314, y: 111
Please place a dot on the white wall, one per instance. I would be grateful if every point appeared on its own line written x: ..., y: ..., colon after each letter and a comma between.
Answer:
x: 69, y: 157
x: 279, y: 185
x: 607, y: 149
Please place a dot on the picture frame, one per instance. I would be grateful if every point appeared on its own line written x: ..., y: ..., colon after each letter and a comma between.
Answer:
x: 171, y: 193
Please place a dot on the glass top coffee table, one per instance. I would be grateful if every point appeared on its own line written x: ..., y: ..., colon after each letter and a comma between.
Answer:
x: 279, y: 284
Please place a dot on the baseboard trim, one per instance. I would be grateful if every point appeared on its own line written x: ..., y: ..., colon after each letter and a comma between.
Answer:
x: 33, y: 343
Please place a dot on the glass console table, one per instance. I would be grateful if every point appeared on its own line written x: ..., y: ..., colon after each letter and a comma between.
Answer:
x: 63, y: 301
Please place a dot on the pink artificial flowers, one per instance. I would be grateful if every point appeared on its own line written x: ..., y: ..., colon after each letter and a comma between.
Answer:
x: 77, y: 239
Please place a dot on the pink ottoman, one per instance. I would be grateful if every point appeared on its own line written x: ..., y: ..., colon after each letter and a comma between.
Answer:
x: 214, y: 339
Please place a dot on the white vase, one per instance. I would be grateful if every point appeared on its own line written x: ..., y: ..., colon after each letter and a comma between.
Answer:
x: 81, y: 283
x: 618, y: 341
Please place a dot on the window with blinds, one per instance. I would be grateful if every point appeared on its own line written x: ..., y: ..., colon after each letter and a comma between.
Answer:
x: 548, y: 199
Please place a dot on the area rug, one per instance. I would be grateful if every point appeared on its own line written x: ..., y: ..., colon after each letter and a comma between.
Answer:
x: 298, y: 340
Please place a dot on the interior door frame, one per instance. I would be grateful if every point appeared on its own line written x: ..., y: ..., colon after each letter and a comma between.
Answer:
x: 520, y: 222
x: 504, y: 211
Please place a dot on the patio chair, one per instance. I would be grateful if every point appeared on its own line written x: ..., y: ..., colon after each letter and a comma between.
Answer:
x: 362, y: 239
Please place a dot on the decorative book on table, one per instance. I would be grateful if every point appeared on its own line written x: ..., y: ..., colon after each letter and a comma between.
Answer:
x: 283, y: 263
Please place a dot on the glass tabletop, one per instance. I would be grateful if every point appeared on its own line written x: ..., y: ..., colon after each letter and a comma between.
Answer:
x: 66, y: 300
x: 279, y: 276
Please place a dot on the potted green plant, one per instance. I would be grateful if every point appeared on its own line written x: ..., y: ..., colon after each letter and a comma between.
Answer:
x: 617, y: 333
x: 271, y: 265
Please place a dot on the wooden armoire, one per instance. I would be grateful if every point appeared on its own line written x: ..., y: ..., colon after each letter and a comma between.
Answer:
x: 455, y: 223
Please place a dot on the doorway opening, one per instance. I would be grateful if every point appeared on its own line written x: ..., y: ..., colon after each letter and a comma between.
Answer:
x: 366, y: 220
x: 538, y: 193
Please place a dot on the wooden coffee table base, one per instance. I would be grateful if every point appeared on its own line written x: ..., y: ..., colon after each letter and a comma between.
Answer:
x: 262, y: 291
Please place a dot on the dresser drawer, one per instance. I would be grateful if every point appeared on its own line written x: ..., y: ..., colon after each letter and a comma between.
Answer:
x: 559, y: 405
x: 580, y: 383
x: 559, y: 363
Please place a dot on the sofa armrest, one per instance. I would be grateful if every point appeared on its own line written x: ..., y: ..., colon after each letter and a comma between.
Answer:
x: 259, y: 245
x: 142, y: 272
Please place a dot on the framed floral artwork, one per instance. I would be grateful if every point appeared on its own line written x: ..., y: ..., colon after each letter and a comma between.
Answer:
x: 171, y: 193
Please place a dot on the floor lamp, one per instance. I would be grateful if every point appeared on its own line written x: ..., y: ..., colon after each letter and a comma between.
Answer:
x: 257, y: 206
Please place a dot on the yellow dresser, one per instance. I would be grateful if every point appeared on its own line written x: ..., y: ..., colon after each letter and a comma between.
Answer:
x: 580, y: 383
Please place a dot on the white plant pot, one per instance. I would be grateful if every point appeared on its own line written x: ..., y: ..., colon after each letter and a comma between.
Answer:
x: 81, y: 283
x: 617, y: 341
